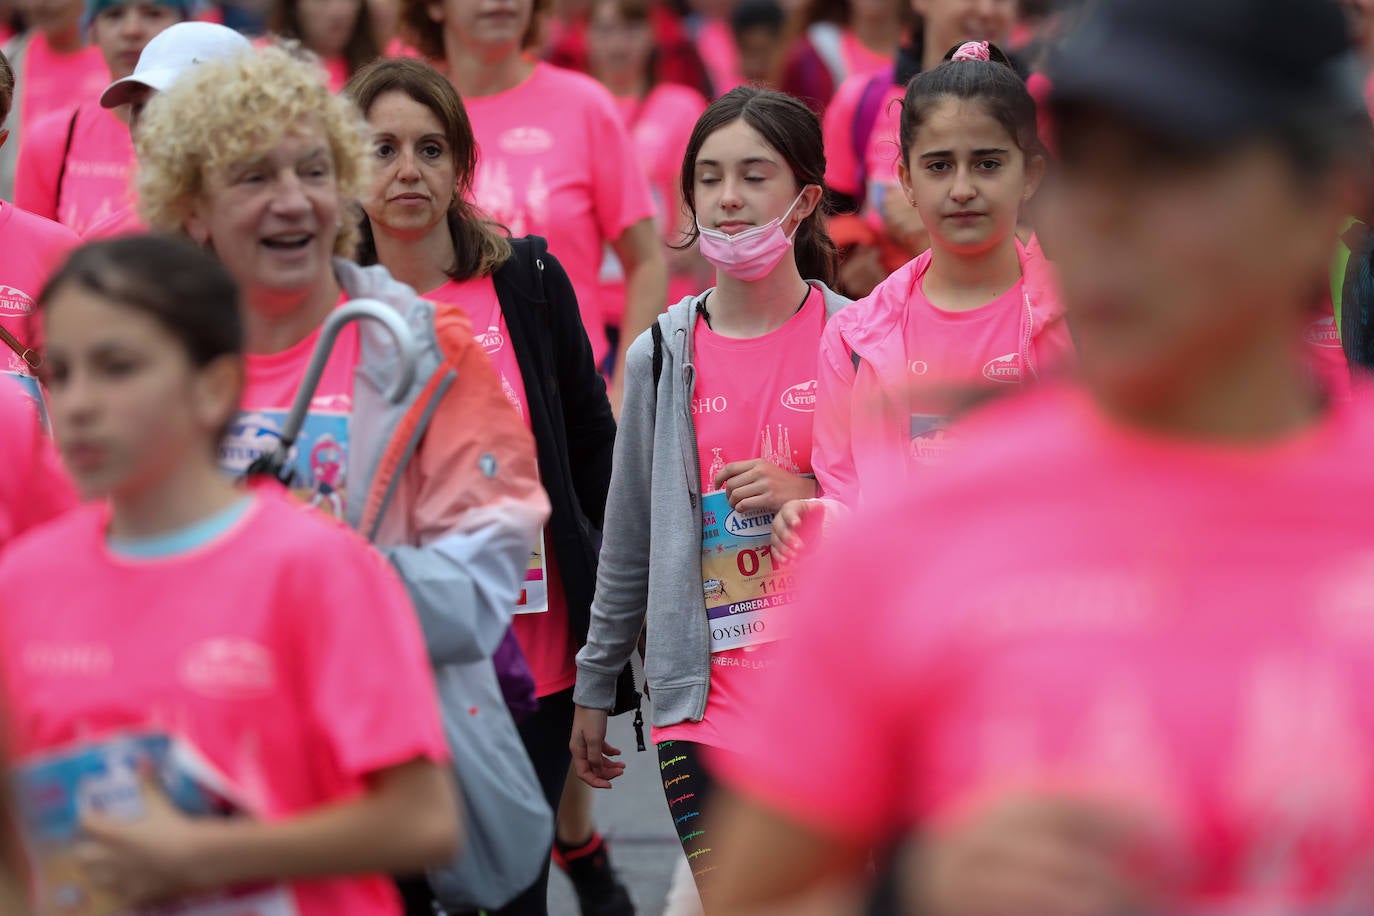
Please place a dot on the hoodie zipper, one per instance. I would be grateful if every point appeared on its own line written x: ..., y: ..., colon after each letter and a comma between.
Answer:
x: 1026, y: 340
x: 694, y: 484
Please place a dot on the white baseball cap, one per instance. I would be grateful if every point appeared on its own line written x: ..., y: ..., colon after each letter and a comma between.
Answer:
x: 172, y: 52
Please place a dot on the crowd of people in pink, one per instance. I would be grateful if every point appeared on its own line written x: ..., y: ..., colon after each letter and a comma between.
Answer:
x: 942, y: 423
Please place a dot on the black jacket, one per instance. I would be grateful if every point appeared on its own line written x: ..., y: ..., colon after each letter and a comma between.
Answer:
x: 570, y: 415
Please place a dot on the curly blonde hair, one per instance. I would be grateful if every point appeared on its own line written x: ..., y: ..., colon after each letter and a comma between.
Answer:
x: 226, y: 112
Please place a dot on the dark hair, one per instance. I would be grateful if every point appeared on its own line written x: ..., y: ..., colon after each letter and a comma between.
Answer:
x: 636, y: 12
x: 362, y: 48
x: 479, y: 246
x: 755, y: 14
x: 794, y: 131
x: 993, y: 82
x: 6, y: 87
x: 183, y: 289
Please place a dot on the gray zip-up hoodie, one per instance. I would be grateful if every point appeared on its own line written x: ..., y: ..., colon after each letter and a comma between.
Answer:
x: 651, y: 554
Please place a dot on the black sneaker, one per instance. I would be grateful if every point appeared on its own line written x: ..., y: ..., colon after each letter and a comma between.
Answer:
x: 599, y: 891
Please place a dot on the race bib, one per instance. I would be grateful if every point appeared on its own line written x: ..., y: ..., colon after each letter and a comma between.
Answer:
x: 930, y: 439
x: 741, y: 586
x: 534, y: 597
x: 55, y: 791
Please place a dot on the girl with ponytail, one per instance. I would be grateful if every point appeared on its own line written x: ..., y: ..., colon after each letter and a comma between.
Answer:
x: 975, y: 314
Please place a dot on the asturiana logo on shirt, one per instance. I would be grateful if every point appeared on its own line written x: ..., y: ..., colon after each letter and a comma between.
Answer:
x: 758, y: 524
x: 491, y: 340
x: 229, y: 668
x: 801, y: 397
x: 525, y: 141
x: 14, y: 301
x: 1324, y: 333
x: 1005, y: 369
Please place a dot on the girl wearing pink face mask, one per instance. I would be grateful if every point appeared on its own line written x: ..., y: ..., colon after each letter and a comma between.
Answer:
x: 715, y: 436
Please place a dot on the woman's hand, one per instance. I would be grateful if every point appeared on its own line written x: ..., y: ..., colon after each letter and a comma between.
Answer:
x: 146, y: 861
x: 903, y: 222
x: 1050, y: 856
x: 861, y: 271
x: 590, y: 750
x: 759, y: 484
x: 788, y: 524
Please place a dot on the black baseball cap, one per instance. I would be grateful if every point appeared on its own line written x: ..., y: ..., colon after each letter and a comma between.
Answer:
x: 1209, y: 70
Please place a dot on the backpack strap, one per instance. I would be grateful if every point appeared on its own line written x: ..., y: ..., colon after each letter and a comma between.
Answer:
x: 30, y: 356
x: 865, y: 117
x: 62, y: 168
x: 657, y: 333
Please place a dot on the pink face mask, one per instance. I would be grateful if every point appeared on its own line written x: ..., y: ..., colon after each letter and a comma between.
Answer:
x: 751, y: 254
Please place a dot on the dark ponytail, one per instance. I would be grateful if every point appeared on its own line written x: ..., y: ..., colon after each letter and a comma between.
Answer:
x: 992, y: 81
x: 794, y: 131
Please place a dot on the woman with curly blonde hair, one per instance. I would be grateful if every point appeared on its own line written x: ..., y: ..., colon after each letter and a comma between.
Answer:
x: 255, y: 159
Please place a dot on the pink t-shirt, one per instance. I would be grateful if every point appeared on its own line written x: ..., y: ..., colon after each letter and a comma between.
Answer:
x: 660, y: 126
x: 754, y: 398
x: 1076, y: 605
x: 52, y: 81
x: 31, y: 249
x: 858, y: 58
x: 716, y: 45
x: 566, y: 171
x: 34, y: 487
x: 544, y: 637
x: 949, y: 353
x: 285, y: 650
x: 94, y: 182
x: 844, y: 169
x: 320, y: 455
x: 124, y: 221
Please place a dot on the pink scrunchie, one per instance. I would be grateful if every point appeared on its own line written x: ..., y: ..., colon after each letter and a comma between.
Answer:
x: 973, y: 50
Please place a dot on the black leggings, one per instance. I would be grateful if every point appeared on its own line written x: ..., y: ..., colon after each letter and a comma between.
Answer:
x: 688, y: 787
x: 545, y: 734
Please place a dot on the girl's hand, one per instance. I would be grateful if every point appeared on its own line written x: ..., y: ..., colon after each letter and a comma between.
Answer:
x: 759, y: 484
x: 788, y: 524
x: 1052, y: 856
x: 590, y: 750
x: 151, y: 860
x: 903, y: 222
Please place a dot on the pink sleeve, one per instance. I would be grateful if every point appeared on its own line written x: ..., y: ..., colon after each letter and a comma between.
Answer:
x: 843, y: 170
x: 620, y: 190
x: 832, y: 452
x: 364, y: 667
x: 40, y: 159
x: 827, y: 749
x: 37, y: 489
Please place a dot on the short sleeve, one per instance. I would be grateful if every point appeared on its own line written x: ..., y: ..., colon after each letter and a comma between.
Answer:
x: 829, y: 737
x: 620, y: 189
x: 365, y: 673
x: 843, y: 170
x: 40, y: 160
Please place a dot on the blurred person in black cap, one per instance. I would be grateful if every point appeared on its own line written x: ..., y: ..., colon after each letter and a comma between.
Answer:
x: 1118, y: 659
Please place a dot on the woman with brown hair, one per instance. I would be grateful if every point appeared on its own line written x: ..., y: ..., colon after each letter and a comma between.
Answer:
x: 659, y: 115
x: 556, y: 159
x: 420, y: 225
